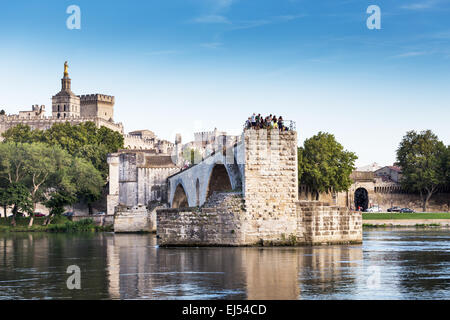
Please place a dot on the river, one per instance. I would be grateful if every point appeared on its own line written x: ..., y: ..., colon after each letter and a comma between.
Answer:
x: 390, y: 264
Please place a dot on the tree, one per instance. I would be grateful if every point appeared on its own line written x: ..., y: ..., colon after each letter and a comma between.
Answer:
x: 87, y: 181
x: 5, y: 199
x: 41, y: 168
x: 22, y: 133
x: 57, y: 202
x: 324, y: 165
x: 20, y: 197
x: 2, y: 112
x: 423, y: 159
x: 83, y: 140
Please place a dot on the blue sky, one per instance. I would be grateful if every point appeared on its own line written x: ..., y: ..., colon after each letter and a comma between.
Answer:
x: 193, y: 65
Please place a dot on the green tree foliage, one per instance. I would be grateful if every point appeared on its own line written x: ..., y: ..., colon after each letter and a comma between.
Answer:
x: 83, y: 140
x: 19, y: 196
x: 2, y: 112
x: 56, y: 203
x: 424, y: 162
x: 324, y: 165
x: 88, y: 182
x: 5, y: 198
x: 446, y: 164
x: 22, y: 134
x: 44, y: 168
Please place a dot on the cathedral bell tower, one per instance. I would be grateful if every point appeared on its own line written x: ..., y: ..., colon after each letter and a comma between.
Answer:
x: 65, y: 104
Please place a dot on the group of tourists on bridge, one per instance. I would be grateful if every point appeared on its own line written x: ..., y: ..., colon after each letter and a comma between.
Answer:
x: 256, y: 121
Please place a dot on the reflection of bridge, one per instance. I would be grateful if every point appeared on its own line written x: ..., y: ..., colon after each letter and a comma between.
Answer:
x: 222, y: 171
x: 224, y: 273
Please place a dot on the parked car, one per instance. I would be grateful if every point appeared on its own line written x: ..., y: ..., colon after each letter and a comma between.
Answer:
x: 373, y: 209
x: 68, y: 214
x: 101, y: 212
x: 394, y: 209
x: 38, y: 214
x: 406, y: 210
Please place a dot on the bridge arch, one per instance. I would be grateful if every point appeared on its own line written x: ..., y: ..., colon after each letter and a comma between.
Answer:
x: 180, y: 199
x: 219, y: 180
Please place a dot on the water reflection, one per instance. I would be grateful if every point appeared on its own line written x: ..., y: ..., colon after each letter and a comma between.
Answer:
x: 412, y: 264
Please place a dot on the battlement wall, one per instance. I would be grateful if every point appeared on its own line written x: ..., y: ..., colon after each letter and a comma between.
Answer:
x: 45, y: 123
x: 90, y: 98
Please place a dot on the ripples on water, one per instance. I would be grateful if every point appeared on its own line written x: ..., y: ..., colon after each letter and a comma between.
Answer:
x: 411, y: 263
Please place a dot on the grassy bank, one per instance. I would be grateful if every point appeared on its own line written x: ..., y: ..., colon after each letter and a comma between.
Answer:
x: 411, y: 216
x: 431, y: 225
x: 60, y: 224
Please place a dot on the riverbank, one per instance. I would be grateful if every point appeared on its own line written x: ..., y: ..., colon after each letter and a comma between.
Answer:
x: 406, y: 223
x: 393, y: 219
x: 58, y: 225
x: 407, y: 216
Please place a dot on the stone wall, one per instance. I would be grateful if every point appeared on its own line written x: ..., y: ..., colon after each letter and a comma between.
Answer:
x: 320, y: 223
x: 270, y: 184
x: 216, y: 225
x: 135, y: 178
x: 224, y: 221
x: 46, y: 123
x: 132, y: 219
x: 383, y: 195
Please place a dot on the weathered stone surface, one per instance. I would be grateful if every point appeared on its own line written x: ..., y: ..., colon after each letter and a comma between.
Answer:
x: 132, y: 219
x: 267, y: 212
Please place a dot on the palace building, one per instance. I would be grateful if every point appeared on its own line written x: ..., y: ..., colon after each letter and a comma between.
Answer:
x: 75, y: 109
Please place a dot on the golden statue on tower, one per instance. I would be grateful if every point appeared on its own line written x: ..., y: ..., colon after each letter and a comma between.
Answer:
x: 66, y: 69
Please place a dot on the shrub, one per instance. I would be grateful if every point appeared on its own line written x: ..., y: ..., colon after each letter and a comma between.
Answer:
x: 84, y: 225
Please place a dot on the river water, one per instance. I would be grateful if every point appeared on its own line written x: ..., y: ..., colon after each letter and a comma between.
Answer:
x: 390, y: 264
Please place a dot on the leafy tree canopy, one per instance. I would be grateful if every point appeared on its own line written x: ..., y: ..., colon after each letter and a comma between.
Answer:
x: 83, y: 140
x: 424, y: 162
x: 45, y: 169
x: 324, y: 165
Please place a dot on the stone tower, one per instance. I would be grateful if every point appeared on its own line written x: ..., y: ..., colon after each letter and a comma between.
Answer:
x: 65, y: 104
x: 97, y: 105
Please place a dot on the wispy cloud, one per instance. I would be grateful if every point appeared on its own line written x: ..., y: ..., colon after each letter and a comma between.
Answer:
x: 211, y: 19
x: 427, y: 4
x: 411, y: 54
x: 262, y: 22
x: 211, y: 45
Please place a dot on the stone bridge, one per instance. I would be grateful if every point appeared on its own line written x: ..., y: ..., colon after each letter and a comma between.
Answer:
x: 264, y: 208
x: 221, y: 171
